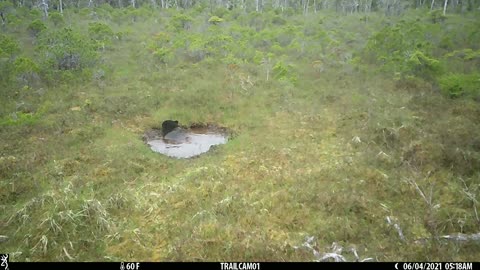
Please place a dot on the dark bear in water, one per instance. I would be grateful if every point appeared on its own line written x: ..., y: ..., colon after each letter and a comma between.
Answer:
x: 168, y: 126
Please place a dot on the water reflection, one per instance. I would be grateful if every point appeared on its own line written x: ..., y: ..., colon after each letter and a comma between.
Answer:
x: 185, y: 143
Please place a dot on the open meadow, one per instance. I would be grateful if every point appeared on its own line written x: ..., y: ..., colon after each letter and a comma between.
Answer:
x: 353, y: 128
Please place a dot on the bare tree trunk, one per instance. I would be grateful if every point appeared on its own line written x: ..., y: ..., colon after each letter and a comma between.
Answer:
x: 368, y: 6
x: 45, y: 8
x: 257, y: 6
x: 387, y: 7
x: 325, y: 4
x: 61, y: 6
x: 315, y: 6
x: 454, y: 4
x: 133, y: 3
x: 445, y: 7
x: 3, y: 19
x: 305, y: 7
x: 433, y: 3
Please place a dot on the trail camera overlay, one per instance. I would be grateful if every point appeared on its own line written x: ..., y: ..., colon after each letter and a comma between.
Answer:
x: 4, y: 260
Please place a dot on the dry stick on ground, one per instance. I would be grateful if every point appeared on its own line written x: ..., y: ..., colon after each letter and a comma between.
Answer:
x: 459, y: 237
x: 335, y: 254
x: 472, y: 197
x: 429, y: 201
x: 68, y: 255
x: 414, y: 183
x: 397, y: 227
x: 3, y: 238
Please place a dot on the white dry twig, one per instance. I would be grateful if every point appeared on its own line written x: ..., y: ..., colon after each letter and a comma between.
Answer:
x: 3, y: 238
x: 68, y: 255
x: 335, y: 254
x: 414, y: 183
x: 336, y: 257
x: 396, y: 226
x: 458, y: 237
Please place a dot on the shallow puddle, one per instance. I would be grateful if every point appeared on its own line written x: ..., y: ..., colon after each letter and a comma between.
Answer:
x: 185, y: 143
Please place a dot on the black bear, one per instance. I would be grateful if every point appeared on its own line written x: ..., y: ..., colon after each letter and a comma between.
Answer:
x: 168, y: 126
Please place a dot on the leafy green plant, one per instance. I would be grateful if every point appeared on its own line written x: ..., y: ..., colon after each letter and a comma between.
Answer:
x: 456, y: 85
x: 26, y: 70
x: 9, y: 49
x: 403, y: 49
x: 160, y: 47
x: 19, y: 118
x: 220, y: 12
x: 35, y: 27
x: 101, y: 33
x: 282, y: 71
x: 56, y: 18
x: 181, y: 22
x: 5, y: 8
x: 466, y: 60
x: 279, y: 20
x: 436, y: 16
x: 215, y: 20
x: 65, y: 50
x: 162, y: 54
x: 422, y: 65
x: 8, y: 46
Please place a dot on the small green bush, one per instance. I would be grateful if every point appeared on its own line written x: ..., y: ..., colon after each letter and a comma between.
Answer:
x: 9, y: 49
x: 99, y: 31
x: 456, y: 85
x: 19, y: 118
x: 162, y: 54
x: 282, y: 71
x: 64, y: 52
x: 181, y: 22
x: 8, y: 46
x: 278, y: 20
x: 36, y: 27
x: 220, y: 12
x: 26, y: 70
x: 56, y: 18
x: 215, y: 20
x: 436, y: 16
x: 404, y: 49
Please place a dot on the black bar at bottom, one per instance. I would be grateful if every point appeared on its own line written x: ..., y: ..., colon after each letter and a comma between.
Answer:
x: 245, y: 265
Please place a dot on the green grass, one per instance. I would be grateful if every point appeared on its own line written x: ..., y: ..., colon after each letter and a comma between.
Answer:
x: 330, y: 155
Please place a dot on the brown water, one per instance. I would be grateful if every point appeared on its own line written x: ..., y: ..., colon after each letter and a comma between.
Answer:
x: 185, y: 143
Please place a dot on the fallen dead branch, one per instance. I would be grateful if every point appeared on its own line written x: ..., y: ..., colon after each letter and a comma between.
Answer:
x: 396, y: 226
x: 460, y: 237
x: 335, y: 253
x: 457, y: 237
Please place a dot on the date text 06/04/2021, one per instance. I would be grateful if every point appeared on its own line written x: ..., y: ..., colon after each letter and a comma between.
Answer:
x: 435, y: 266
